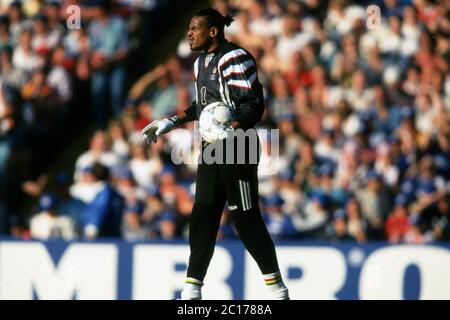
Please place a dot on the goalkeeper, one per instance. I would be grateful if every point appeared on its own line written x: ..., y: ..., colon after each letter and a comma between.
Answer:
x: 224, y: 73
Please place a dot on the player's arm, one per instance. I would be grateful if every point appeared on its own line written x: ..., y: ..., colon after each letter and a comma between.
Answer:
x: 239, y: 72
x: 188, y: 115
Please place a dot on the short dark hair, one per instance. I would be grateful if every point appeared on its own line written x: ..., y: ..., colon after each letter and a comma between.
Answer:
x: 215, y: 19
x: 100, y: 172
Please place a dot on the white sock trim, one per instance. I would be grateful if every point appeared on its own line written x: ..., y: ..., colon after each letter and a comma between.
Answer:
x: 192, y: 289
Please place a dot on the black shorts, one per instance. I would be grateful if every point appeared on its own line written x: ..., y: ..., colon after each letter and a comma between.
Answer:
x: 234, y: 181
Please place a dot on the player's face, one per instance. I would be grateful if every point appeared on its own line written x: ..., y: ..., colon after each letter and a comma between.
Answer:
x: 199, y: 34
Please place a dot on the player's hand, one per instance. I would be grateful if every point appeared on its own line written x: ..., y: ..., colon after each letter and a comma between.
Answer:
x: 214, y: 136
x: 158, y: 127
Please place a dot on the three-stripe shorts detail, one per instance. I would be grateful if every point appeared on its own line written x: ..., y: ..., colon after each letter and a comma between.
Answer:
x: 246, y: 200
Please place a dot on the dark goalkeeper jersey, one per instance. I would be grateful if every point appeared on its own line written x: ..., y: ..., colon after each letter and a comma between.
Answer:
x: 228, y: 74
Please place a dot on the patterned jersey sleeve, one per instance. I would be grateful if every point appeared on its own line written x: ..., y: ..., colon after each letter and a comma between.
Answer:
x: 241, y: 86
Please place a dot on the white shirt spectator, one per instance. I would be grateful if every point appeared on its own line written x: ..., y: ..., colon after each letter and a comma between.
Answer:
x: 259, y: 26
x: 145, y: 171
x: 388, y: 171
x: 275, y: 26
x: 47, y: 226
x: 425, y: 121
x: 410, y: 31
x: 352, y: 126
x: 390, y: 42
x: 99, y: 151
x: 42, y: 42
x: 343, y: 21
x: 120, y: 147
x: 26, y: 61
x: 59, y: 79
x: 85, y: 191
x: 312, y: 217
x: 360, y: 101
x: 409, y: 46
x: 326, y: 150
x: 107, y: 158
x: 286, y: 46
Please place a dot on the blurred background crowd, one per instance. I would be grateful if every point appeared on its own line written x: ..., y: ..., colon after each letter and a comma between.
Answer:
x: 361, y: 100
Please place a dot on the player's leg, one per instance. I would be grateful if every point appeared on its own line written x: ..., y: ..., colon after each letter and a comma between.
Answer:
x: 241, y: 185
x: 203, y: 226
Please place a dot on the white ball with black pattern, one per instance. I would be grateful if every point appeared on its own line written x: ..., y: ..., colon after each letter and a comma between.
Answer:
x: 214, y: 119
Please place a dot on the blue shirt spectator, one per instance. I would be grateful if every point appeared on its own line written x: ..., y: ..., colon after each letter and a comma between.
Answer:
x: 109, y: 46
x: 278, y: 223
x: 103, y: 216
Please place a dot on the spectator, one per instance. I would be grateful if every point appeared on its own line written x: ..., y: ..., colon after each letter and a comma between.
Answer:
x: 374, y: 205
x: 39, y: 107
x: 290, y: 39
x: 99, y: 151
x: 162, y: 101
x: 398, y: 223
x: 84, y: 188
x: 49, y: 224
x: 312, y: 219
x: 282, y: 101
x: 103, y: 216
x: 132, y: 221
x: 279, y: 224
x: 5, y: 40
x: 355, y: 224
x: 357, y: 100
x: 108, y: 40
x: 168, y: 225
x: 441, y: 224
x: 154, y: 206
x: 12, y: 77
x: 41, y: 41
x: 24, y: 58
x: 359, y: 96
x: 144, y: 168
x: 59, y: 78
x: 17, y: 21
x: 117, y: 136
x: 338, y: 230
x: 51, y: 11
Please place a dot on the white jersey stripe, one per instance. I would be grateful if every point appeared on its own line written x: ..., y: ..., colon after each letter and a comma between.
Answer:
x: 227, y: 94
x: 222, y: 91
x: 232, y: 54
x: 240, y: 68
x: 243, y: 83
x: 196, y: 92
x: 196, y: 68
x: 195, y: 82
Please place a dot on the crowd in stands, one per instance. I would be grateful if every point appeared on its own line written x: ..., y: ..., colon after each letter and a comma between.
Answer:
x: 362, y: 105
x: 62, y: 63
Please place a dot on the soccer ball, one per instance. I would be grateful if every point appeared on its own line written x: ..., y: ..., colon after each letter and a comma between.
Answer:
x: 216, y: 116
x: 214, y: 119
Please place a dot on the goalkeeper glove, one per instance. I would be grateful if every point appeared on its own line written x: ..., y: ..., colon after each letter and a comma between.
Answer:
x: 158, y: 127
